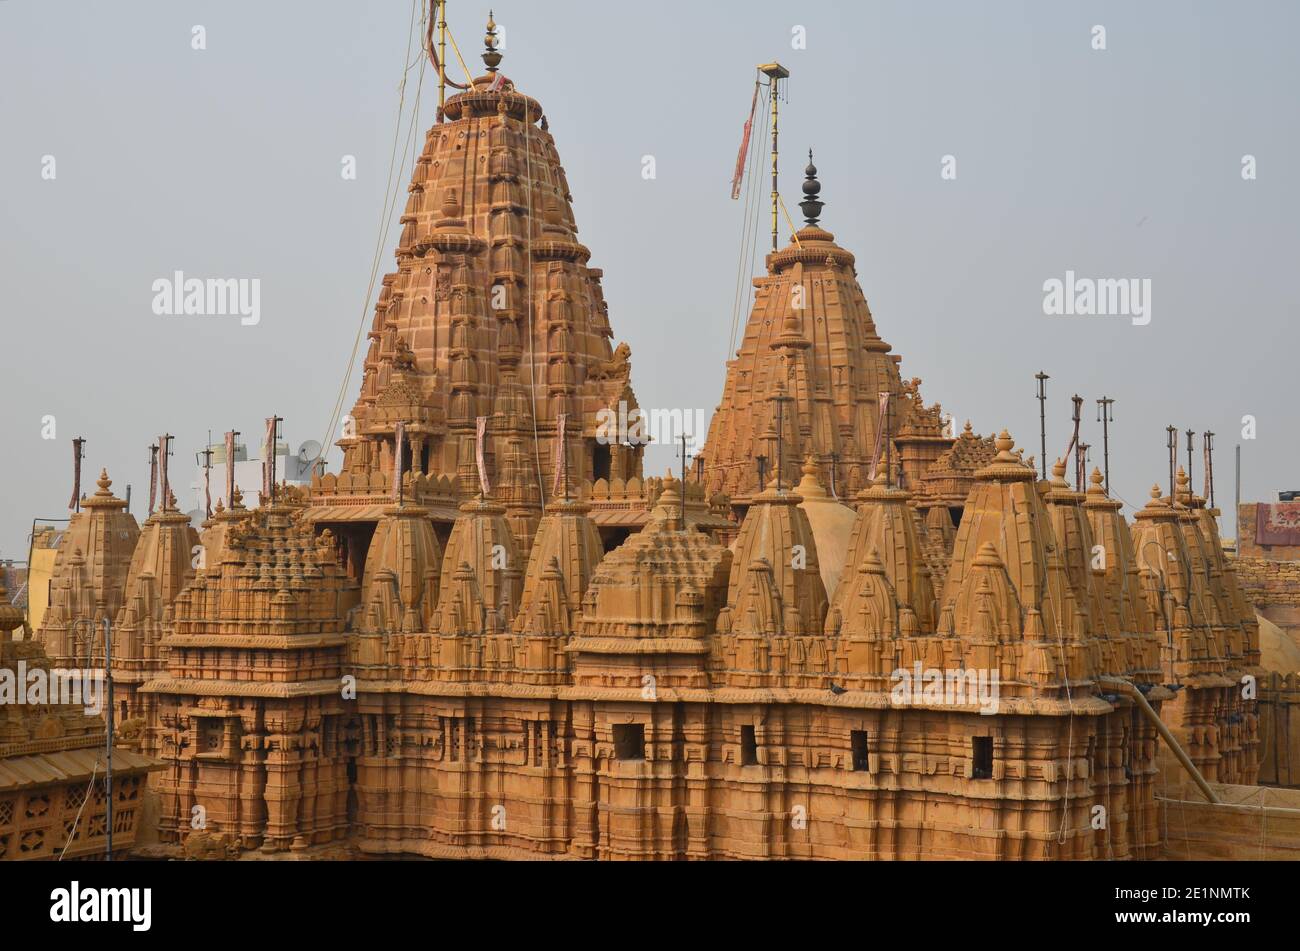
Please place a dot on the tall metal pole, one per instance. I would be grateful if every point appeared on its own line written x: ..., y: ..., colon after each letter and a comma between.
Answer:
x: 275, y: 441
x: 442, y: 53
x: 780, y: 442
x: 1190, y: 436
x: 80, y: 443
x: 1042, y: 379
x: 1172, y: 446
x: 1077, y: 418
x: 1237, y: 509
x: 1106, y: 416
x: 1208, y: 442
x: 108, y: 777
x: 775, y: 72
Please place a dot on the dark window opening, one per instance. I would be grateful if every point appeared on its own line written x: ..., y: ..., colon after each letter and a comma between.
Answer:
x: 629, y: 741
x: 748, y: 746
x: 861, y: 751
x: 955, y: 514
x: 611, y: 538
x: 982, y: 757
x: 600, y: 462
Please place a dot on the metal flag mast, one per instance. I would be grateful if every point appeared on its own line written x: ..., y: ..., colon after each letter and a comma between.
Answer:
x: 1172, y: 445
x: 1105, y: 416
x: 1042, y: 379
x: 1207, y: 441
x: 775, y: 73
x: 78, y: 456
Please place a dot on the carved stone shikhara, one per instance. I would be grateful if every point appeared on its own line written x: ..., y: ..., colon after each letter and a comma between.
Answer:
x: 570, y: 662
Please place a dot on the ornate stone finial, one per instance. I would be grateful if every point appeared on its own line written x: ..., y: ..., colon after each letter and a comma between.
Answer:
x: 1096, y: 480
x: 968, y: 430
x: 450, y: 204
x: 987, y: 556
x: 490, y: 56
x: 1004, y: 444
x: 1058, y: 474
x: 236, y: 499
x: 811, y: 205
x: 811, y: 485
x: 104, y: 483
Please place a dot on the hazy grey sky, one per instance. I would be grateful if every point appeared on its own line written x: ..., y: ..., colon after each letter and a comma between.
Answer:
x: 225, y: 162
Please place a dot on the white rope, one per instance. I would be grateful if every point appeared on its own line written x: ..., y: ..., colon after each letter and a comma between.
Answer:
x: 390, y: 201
x: 94, y: 771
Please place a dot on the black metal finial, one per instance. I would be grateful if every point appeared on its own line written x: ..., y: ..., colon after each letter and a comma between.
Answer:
x: 811, y: 205
x: 491, y: 57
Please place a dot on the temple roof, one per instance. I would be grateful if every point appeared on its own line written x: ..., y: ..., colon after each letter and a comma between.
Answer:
x: 810, y: 337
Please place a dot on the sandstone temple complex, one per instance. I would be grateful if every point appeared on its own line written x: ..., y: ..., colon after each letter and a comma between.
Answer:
x: 852, y: 631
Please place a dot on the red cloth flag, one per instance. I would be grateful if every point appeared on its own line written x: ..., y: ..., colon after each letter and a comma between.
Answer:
x: 480, y: 435
x: 739, y: 175
x: 399, y: 438
x: 880, y: 434
x: 76, y: 472
x: 561, y: 487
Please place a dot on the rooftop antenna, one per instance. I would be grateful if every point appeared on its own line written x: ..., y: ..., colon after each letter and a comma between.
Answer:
x: 1105, y: 416
x: 1172, y: 445
x: 1191, y: 434
x: 1207, y: 440
x: 760, y: 462
x: 1042, y: 379
x: 776, y: 73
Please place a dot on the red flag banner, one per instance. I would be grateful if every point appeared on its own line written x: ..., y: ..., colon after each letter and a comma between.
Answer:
x: 480, y: 437
x: 399, y: 458
x: 560, y: 489
x: 76, y: 472
x: 230, y: 468
x: 880, y: 433
x: 739, y: 175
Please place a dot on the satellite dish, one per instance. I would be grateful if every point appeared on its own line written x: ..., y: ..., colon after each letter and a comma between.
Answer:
x: 309, y: 451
